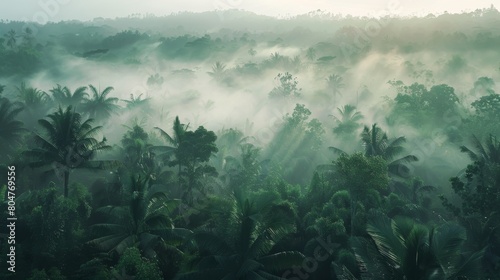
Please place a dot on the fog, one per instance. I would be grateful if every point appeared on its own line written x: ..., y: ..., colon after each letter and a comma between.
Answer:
x: 306, y: 90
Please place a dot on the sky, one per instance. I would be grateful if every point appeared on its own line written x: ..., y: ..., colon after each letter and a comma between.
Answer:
x: 42, y: 11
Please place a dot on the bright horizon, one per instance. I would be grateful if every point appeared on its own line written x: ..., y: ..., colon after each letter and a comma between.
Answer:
x: 42, y: 11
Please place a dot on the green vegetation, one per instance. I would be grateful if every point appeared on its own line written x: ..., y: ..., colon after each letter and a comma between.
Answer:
x: 189, y: 147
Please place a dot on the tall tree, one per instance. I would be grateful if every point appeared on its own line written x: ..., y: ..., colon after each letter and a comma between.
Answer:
x: 479, y: 189
x: 11, y: 38
x: 243, y: 171
x: 10, y: 127
x: 218, y: 71
x: 347, y: 122
x: 229, y: 142
x: 194, y: 150
x: 335, y: 83
x: 191, y: 151
x: 288, y: 86
x: 33, y: 99
x: 138, y: 156
x: 488, y: 107
x: 311, y: 54
x: 377, y: 143
x: 65, y: 98
x: 99, y: 106
x: 36, y: 104
x: 174, y: 141
x: 28, y: 39
x: 360, y: 175
x: 68, y: 144
x: 487, y: 153
x: 138, y: 102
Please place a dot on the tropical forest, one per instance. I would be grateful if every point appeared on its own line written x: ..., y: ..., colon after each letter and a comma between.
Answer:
x: 229, y: 145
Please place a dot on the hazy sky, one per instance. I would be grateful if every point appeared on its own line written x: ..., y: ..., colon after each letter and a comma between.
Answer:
x: 56, y: 10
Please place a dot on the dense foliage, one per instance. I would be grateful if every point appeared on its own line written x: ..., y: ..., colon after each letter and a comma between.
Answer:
x: 222, y: 151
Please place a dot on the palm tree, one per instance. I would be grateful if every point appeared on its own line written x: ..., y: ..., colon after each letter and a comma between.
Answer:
x: 218, y: 71
x: 68, y: 144
x: 10, y: 36
x: 65, y: 98
x: 347, y: 123
x: 136, y: 102
x: 334, y: 82
x: 479, y: 188
x: 489, y: 153
x: 377, y: 143
x: 10, y: 128
x: 35, y: 102
x: 99, y: 106
x: 143, y: 221
x: 288, y: 86
x: 244, y: 170
x: 248, y: 255
x: 174, y: 141
x: 229, y: 141
x: 33, y: 99
x: 138, y: 156
x: 311, y: 54
x: 401, y: 249
x: 28, y: 38
x: 276, y: 58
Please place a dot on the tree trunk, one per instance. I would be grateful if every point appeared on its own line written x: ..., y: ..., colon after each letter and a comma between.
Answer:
x: 66, y: 181
x: 353, y: 210
x: 180, y: 184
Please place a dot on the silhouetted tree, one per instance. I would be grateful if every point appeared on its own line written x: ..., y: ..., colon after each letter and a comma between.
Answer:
x: 311, y: 54
x: 287, y: 86
x: 335, y: 84
x: 166, y: 152
x: 10, y: 36
x: 218, y: 70
x: 99, y: 106
x: 480, y: 189
x: 377, y: 143
x: 68, y: 143
x: 28, y: 39
x: 35, y: 103
x: 360, y: 175
x: 195, y: 148
x: 33, y: 99
x: 139, y: 158
x: 10, y: 127
x: 347, y: 123
x: 64, y: 97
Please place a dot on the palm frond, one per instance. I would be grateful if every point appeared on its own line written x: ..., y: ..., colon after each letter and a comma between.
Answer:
x: 337, y: 151
x: 166, y: 136
x: 282, y: 260
x: 468, y: 267
x: 448, y: 241
x: 261, y: 245
x: 389, y: 245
